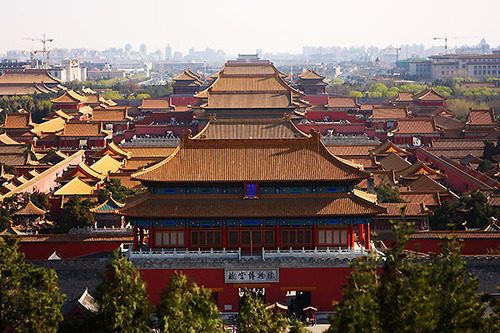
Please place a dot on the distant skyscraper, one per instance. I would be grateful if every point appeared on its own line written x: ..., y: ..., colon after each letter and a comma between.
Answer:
x: 128, y: 48
x: 168, y: 52
x: 178, y: 56
x: 143, y: 49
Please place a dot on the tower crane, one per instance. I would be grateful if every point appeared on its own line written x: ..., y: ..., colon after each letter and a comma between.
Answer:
x: 397, y: 49
x: 44, y: 49
x: 445, y: 38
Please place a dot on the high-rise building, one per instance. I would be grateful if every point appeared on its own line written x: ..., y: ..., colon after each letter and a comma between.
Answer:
x: 168, y: 52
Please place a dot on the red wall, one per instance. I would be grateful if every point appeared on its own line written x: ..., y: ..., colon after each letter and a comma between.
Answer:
x: 325, y: 284
x: 317, y: 99
x: 67, y: 250
x: 470, y: 246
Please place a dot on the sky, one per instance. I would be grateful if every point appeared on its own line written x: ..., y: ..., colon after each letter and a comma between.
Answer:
x: 243, y: 26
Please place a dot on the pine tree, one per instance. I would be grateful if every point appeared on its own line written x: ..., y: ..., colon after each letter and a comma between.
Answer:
x: 187, y: 308
x: 411, y: 294
x: 255, y: 318
x: 76, y: 214
x: 122, y: 298
x: 30, y: 299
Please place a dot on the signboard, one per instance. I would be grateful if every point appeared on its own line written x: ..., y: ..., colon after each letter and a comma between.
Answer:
x: 251, y: 275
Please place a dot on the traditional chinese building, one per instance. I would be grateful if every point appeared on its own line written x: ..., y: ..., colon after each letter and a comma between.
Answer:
x: 311, y: 83
x: 186, y: 83
x: 256, y: 213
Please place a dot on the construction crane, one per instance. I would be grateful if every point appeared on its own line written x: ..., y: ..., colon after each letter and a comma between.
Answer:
x: 445, y: 38
x: 32, y: 56
x: 44, y: 49
x: 397, y: 49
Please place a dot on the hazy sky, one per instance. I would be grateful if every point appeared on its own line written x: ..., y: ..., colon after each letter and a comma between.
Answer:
x: 244, y: 26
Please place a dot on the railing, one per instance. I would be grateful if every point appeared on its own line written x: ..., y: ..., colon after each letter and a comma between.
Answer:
x: 341, y: 253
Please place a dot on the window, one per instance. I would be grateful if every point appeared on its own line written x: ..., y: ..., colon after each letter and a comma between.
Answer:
x: 206, y: 238
x: 169, y: 238
x: 332, y: 237
x: 296, y: 237
x: 251, y: 237
x: 251, y: 190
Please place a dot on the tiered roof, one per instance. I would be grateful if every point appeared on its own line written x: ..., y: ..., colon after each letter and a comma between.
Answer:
x: 110, y: 206
x: 310, y: 74
x: 426, y: 184
x: 83, y: 129
x: 18, y: 121
x: 388, y: 113
x: 155, y: 206
x: 240, y: 160
x: 187, y: 75
x: 156, y: 104
x: 342, y: 102
x: 253, y: 85
x: 402, y: 97
x: 106, y: 165
x: 75, y: 187
x: 6, y: 140
x: 428, y: 94
x: 394, y: 162
x: 28, y: 77
x: 250, y: 129
x: 419, y: 168
x: 30, y: 210
x: 115, y: 150
x: 481, y: 117
x: 70, y: 97
x: 389, y: 147
x: 416, y: 126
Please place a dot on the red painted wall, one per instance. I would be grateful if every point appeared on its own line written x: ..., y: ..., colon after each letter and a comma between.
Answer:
x: 325, y: 283
x: 470, y: 246
x: 316, y: 100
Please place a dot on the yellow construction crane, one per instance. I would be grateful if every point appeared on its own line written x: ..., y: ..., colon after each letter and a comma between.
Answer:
x: 32, y: 56
x: 45, y: 49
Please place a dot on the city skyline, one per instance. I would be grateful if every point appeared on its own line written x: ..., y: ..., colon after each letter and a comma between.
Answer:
x: 274, y: 27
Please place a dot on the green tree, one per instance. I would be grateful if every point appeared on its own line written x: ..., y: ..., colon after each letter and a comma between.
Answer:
x: 5, y: 218
x: 30, y: 299
x: 485, y: 165
x: 255, y: 318
x: 76, y: 214
x: 122, y: 298
x: 446, y: 217
x: 336, y: 81
x: 114, y: 187
x: 39, y: 199
x: 187, y: 308
x: 443, y: 90
x: 298, y: 326
x: 409, y: 294
x: 355, y: 93
x: 477, y: 210
x: 387, y: 193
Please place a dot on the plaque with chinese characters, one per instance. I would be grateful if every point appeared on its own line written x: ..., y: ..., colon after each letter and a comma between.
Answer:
x: 251, y: 275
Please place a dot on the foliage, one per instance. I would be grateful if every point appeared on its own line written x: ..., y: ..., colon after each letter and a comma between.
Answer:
x: 387, y: 193
x: 412, y: 87
x: 410, y: 294
x: 187, y: 308
x: 76, y: 214
x: 142, y: 96
x: 30, y: 299
x: 298, y: 326
x: 5, y: 218
x: 111, y: 94
x: 38, y: 105
x: 443, y: 90
x: 157, y: 90
x: 255, y: 318
x: 355, y: 93
x: 477, y: 210
x: 336, y: 81
x: 485, y: 165
x: 114, y: 187
x: 39, y: 199
x: 446, y: 217
x: 480, y: 91
x: 10, y: 169
x: 122, y: 298
x: 460, y: 107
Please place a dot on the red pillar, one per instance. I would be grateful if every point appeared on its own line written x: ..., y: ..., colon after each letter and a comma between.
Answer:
x: 187, y: 237
x: 278, y: 236
x: 224, y: 237
x: 136, y: 241
x: 141, y: 236
x: 361, y: 236
x: 367, y: 237
x: 351, y: 230
x: 315, y: 235
x: 151, y: 237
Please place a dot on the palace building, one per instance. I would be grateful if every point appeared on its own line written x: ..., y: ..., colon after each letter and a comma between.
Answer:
x: 251, y: 201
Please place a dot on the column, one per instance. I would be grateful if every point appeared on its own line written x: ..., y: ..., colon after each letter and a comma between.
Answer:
x: 361, y: 236
x: 315, y: 235
x: 351, y: 230
x: 151, y: 237
x: 224, y: 236
x: 141, y: 235
x: 136, y: 241
x: 367, y: 236
x: 278, y: 235
x: 187, y: 237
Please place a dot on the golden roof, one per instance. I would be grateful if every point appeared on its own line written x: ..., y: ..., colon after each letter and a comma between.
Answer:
x: 106, y: 165
x: 29, y: 210
x: 7, y: 140
x: 75, y: 187
x: 50, y: 126
x: 70, y: 96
